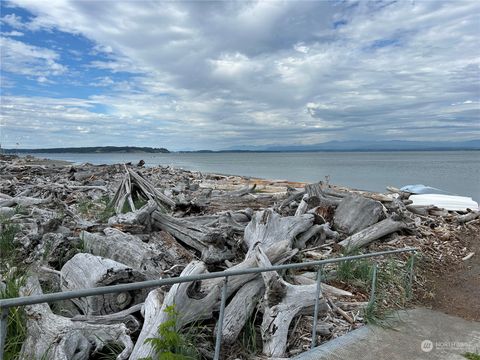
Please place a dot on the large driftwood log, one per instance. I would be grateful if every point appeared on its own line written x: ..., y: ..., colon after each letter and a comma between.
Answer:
x: 302, y: 207
x: 283, y: 302
x: 55, y: 337
x: 316, y: 191
x: 124, y: 317
x: 264, y: 231
x: 141, y: 216
x: 462, y: 219
x: 355, y: 213
x: 133, y: 182
x: 293, y: 197
x: 242, y: 217
x: 241, y: 192
x: 372, y: 233
x: 189, y: 309
x: 210, y: 242
x: 87, y: 271
x: 323, y: 231
x: 152, y: 258
x: 240, y: 309
x: 426, y: 210
x: 267, y: 228
x: 235, y: 221
x: 24, y: 201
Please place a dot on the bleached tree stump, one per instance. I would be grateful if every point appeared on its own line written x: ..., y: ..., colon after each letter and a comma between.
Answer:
x: 267, y: 229
x: 55, y: 337
x: 283, y: 301
x: 151, y: 258
x: 189, y: 308
x: 211, y: 243
x: 88, y: 271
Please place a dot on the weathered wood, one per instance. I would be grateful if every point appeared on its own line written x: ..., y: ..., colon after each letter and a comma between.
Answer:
x: 189, y: 309
x: 462, y: 219
x: 268, y: 227
x: 355, y: 213
x: 424, y: 210
x: 150, y: 191
x: 211, y: 243
x: 151, y: 258
x: 124, y: 317
x: 302, y: 207
x: 24, y: 201
x: 55, y: 337
x: 293, y: 197
x: 56, y: 248
x: 131, y: 181
x: 141, y: 216
x: 283, y: 302
x: 372, y: 233
x: 87, y: 271
x: 232, y: 221
x: 241, y: 217
x: 319, y: 198
x: 323, y: 231
x: 241, y: 192
x: 277, y: 253
x: 240, y: 309
x: 7, y: 212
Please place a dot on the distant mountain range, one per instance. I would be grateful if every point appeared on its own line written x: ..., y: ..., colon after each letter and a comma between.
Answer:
x: 392, y: 145
x: 93, y: 149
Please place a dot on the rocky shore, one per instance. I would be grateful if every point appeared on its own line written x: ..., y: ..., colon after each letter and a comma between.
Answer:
x: 67, y: 227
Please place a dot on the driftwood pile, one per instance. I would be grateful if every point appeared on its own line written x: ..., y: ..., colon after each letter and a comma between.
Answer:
x: 167, y: 222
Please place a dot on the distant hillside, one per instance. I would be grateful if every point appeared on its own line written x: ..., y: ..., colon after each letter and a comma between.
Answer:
x: 393, y: 145
x: 93, y: 149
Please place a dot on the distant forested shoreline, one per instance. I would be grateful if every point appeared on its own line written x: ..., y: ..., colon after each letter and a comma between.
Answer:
x: 93, y: 149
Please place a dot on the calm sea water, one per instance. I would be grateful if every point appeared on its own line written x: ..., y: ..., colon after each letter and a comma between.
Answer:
x: 457, y: 172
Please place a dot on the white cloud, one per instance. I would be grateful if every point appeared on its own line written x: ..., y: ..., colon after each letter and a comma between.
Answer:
x: 13, y: 33
x: 273, y: 71
x: 13, y: 21
x: 23, y: 59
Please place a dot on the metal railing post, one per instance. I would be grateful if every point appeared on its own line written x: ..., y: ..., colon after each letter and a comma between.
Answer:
x: 374, y: 285
x: 218, y: 340
x: 3, y: 329
x: 315, y: 311
x: 410, y: 276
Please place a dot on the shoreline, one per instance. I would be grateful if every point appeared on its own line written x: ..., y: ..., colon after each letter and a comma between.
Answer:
x: 160, y: 221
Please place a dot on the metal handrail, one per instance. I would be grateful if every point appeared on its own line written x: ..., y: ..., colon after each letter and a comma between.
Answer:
x: 6, y: 304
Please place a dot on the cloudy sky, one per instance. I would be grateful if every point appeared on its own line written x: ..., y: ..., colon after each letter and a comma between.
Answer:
x: 196, y: 75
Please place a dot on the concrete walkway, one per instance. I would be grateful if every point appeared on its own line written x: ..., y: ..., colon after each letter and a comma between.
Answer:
x: 416, y: 334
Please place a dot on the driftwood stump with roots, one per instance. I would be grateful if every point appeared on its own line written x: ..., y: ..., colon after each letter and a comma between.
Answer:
x: 269, y: 239
x: 55, y: 337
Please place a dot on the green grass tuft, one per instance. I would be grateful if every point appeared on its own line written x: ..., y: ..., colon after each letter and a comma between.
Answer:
x: 171, y: 344
x: 8, y: 230
x: 249, y: 335
x: 471, y: 356
x: 14, y: 279
x: 356, y: 272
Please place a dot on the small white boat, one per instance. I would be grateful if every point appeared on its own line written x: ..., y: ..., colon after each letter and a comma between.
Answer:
x: 423, y: 189
x: 447, y: 202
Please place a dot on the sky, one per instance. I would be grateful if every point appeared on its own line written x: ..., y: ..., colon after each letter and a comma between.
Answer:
x: 219, y: 75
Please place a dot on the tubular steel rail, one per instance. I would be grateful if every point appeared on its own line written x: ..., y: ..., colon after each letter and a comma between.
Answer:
x: 6, y: 304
